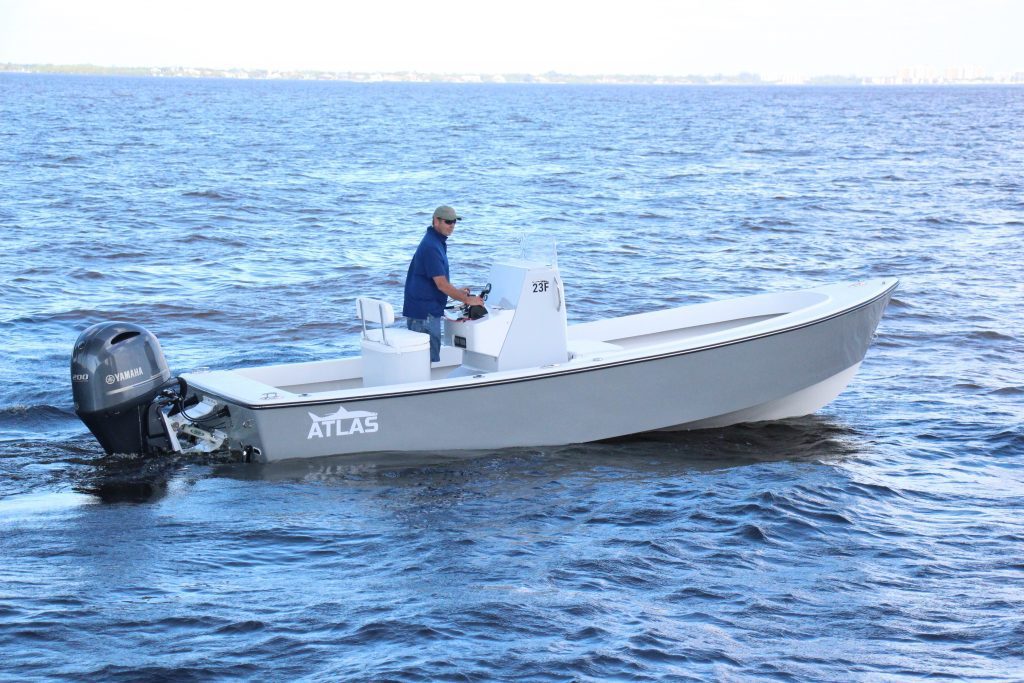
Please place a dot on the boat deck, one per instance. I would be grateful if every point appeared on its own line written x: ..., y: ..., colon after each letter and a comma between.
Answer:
x: 684, y: 333
x: 601, y: 341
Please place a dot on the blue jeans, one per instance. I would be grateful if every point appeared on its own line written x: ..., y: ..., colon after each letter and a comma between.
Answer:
x: 432, y: 326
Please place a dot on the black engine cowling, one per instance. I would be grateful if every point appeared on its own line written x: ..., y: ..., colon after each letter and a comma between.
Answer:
x: 117, y: 369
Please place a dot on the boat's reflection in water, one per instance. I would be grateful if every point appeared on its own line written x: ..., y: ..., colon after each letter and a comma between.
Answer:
x: 116, y: 479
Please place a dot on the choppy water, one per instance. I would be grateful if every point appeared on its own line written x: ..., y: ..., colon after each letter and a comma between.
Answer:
x: 881, y: 539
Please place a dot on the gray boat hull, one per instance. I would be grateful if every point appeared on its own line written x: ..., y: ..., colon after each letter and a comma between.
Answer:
x: 781, y: 368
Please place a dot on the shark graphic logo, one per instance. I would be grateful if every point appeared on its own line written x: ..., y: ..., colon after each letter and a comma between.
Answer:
x: 342, y: 423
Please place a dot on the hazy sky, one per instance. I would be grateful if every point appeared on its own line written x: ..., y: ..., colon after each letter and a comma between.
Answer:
x: 809, y: 37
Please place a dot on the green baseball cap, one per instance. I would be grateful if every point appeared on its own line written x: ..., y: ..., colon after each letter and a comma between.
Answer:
x: 447, y: 213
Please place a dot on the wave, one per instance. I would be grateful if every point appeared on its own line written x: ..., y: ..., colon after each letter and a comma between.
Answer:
x: 232, y: 241
x: 767, y: 150
x: 989, y: 335
x: 24, y: 409
x: 166, y: 311
x: 211, y: 194
x: 171, y: 672
x: 31, y: 417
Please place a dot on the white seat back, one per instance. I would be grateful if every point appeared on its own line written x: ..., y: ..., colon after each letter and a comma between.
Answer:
x: 374, y: 311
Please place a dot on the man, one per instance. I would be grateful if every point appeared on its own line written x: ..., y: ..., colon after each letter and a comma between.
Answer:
x: 426, y: 284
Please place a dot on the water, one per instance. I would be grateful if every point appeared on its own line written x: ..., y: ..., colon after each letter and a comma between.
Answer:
x: 880, y: 539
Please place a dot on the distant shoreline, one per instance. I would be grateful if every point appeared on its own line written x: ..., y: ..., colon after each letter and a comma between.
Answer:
x: 747, y: 79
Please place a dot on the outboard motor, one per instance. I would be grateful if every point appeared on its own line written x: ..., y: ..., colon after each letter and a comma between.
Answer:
x: 116, y: 371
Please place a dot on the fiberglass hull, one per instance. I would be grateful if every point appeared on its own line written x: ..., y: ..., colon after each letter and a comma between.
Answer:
x: 787, y: 365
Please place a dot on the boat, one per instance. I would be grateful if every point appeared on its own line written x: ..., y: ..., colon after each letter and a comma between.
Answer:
x: 517, y: 376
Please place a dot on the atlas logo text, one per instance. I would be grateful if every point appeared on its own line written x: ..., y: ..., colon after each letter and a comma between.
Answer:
x: 342, y: 423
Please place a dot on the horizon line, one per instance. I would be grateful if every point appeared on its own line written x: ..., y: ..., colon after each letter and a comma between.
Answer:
x: 920, y: 75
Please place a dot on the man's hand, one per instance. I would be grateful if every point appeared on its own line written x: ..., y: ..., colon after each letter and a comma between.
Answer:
x: 462, y: 295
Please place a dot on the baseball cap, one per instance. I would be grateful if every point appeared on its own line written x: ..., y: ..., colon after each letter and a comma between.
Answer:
x: 447, y: 213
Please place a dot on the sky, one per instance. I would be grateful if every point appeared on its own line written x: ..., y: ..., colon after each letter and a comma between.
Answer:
x: 656, y: 37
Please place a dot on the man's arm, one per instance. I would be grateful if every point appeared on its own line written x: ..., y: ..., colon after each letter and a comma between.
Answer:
x: 451, y: 290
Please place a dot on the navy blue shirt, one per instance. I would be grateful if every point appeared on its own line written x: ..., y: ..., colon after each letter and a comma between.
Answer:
x: 422, y: 297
